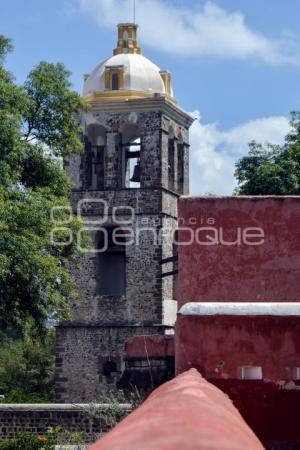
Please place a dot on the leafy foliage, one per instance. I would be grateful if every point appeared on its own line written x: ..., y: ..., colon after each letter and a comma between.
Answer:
x: 27, y: 368
x: 58, y: 436
x: 271, y: 169
x: 117, y: 407
x: 51, y: 106
x: 53, y: 437
x: 38, y: 126
x: 22, y: 442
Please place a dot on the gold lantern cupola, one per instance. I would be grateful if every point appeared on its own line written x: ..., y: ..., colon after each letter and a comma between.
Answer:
x: 127, y: 39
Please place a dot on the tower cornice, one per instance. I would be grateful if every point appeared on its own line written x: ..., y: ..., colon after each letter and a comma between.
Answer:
x: 158, y: 103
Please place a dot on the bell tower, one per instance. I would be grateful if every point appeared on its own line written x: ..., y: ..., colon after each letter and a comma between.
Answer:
x: 126, y: 187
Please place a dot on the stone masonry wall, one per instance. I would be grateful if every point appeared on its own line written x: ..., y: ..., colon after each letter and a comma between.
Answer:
x: 36, y: 419
x: 82, y: 354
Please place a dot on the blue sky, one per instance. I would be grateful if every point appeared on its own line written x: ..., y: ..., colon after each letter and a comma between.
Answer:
x: 236, y: 62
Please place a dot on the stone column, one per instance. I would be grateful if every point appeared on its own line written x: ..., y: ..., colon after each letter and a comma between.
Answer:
x: 111, y: 161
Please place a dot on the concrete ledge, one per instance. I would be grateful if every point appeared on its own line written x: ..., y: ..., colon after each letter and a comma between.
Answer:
x: 106, y: 324
x: 239, y: 309
x: 70, y: 447
x: 49, y: 407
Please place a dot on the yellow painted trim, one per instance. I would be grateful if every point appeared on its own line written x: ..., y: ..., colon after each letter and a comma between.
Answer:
x: 132, y: 50
x: 167, y: 79
x: 122, y: 79
x: 107, y: 79
x: 123, y: 95
x: 109, y: 72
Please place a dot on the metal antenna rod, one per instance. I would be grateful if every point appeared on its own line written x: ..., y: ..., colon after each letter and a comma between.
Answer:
x: 134, y: 11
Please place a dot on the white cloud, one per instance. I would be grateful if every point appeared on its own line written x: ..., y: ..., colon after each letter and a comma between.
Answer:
x: 215, y: 152
x: 206, y: 30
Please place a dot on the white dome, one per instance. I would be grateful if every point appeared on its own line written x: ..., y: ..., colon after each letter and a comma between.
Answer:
x: 141, y: 75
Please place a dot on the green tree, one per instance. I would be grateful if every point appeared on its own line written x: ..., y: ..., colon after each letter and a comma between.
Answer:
x: 51, y: 107
x: 27, y: 368
x: 38, y: 127
x: 272, y: 169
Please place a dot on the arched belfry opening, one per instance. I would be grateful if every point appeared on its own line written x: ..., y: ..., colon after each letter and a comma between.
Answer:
x: 95, y: 150
x: 131, y: 148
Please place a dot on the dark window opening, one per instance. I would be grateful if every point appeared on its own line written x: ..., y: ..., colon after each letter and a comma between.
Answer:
x: 109, y: 369
x: 115, y: 82
x: 111, y: 263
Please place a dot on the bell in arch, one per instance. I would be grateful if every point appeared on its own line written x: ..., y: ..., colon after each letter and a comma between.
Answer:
x: 136, y: 177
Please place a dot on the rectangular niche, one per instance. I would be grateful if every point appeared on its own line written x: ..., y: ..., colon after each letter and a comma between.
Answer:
x: 296, y: 373
x: 250, y: 373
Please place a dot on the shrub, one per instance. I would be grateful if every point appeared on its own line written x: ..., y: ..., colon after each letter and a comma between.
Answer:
x: 113, y: 411
x: 22, y: 442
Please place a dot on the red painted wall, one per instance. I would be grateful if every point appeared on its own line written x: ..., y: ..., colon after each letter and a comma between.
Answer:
x: 216, y: 272
x: 248, y: 250
x: 188, y: 413
x: 151, y: 346
x: 218, y: 345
